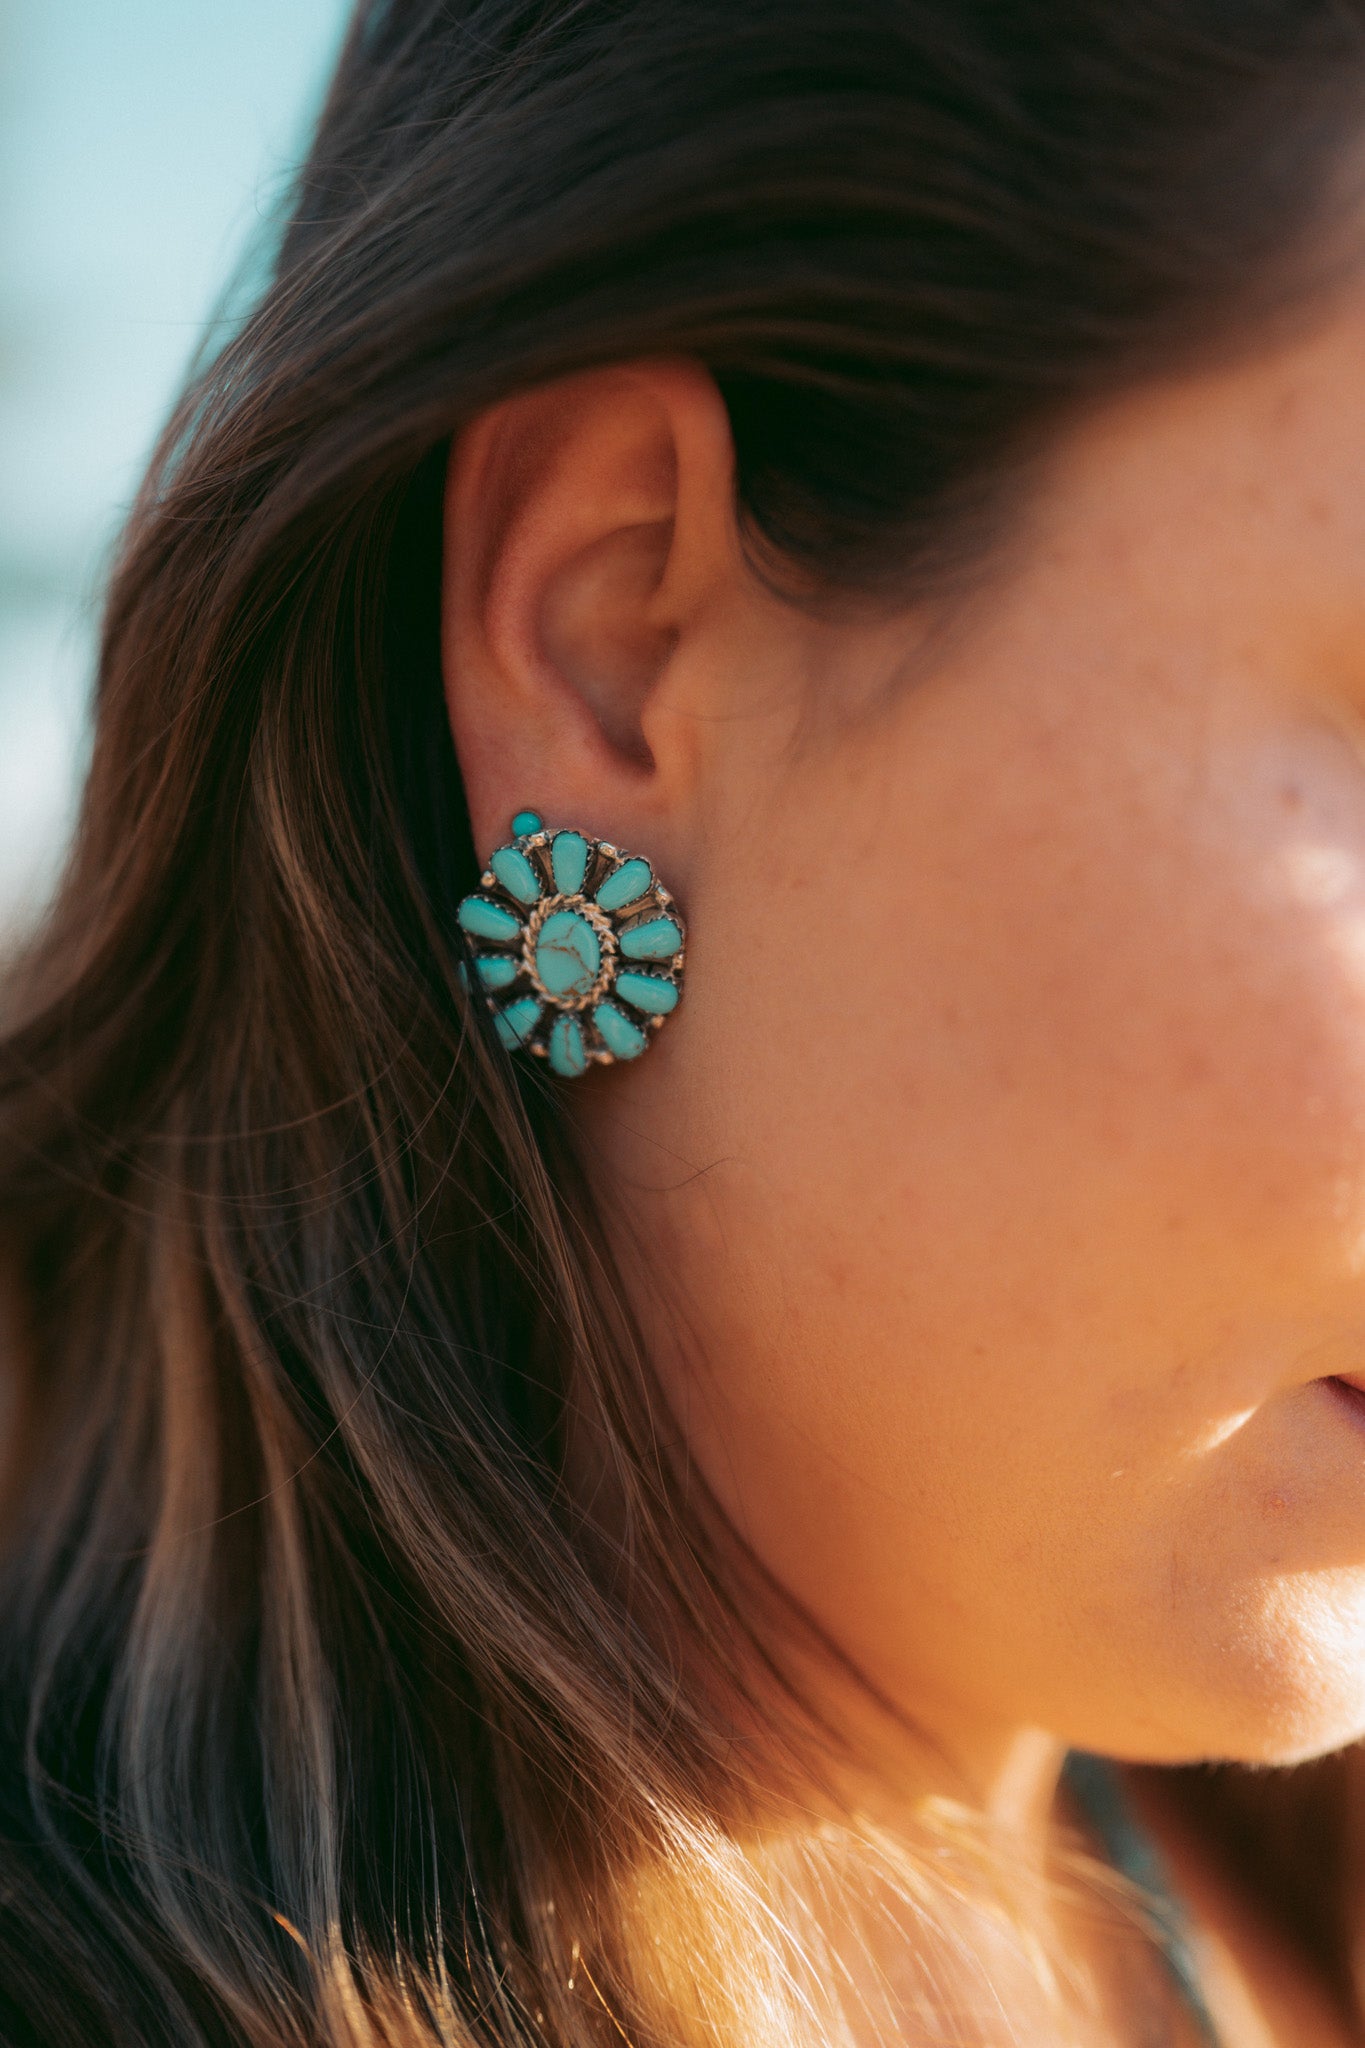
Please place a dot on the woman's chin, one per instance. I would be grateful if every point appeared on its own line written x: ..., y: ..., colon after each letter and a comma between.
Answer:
x: 1288, y: 1685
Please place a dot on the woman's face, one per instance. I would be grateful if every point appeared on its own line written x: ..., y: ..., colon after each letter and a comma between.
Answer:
x: 1001, y: 1183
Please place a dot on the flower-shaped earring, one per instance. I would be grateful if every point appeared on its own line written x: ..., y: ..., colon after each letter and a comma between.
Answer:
x: 580, y: 947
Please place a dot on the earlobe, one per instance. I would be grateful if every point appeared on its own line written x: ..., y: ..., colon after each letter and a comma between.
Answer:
x: 586, y: 525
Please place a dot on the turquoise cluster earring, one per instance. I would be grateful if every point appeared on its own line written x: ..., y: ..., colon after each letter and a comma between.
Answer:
x: 578, y: 947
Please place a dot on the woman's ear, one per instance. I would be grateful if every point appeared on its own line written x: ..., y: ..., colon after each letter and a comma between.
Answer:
x: 589, y: 535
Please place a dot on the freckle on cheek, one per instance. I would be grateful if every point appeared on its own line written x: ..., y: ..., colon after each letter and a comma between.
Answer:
x: 1277, y: 1506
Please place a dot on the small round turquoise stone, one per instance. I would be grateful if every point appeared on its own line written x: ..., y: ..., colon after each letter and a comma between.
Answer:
x: 648, y: 992
x: 567, y: 1053
x: 568, y: 954
x: 627, y: 884
x: 525, y: 823
x: 485, y: 920
x: 516, y: 874
x: 658, y: 939
x: 624, y: 1040
x: 569, y: 859
x: 516, y: 1023
x: 497, y: 970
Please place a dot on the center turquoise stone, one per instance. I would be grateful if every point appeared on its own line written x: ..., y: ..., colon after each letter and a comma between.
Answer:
x: 568, y: 954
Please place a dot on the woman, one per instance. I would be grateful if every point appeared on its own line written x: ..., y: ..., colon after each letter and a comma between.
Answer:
x: 538, y: 1510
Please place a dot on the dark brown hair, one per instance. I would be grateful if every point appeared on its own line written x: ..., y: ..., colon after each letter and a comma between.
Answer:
x: 323, y: 1720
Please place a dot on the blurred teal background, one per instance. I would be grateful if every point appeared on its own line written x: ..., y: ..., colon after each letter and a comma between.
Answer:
x: 142, y: 142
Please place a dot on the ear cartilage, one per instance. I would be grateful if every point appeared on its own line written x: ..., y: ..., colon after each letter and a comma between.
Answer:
x: 577, y: 947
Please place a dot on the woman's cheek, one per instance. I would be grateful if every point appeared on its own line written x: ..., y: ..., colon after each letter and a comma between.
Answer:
x: 1099, y: 1039
x: 1012, y: 1230
x: 1159, y: 1014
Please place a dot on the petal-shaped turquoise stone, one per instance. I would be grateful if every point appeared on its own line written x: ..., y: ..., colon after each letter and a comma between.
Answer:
x: 658, y: 939
x: 648, y: 992
x: 627, y: 884
x: 569, y: 859
x: 498, y: 970
x: 568, y: 954
x: 517, y: 1022
x: 621, y: 1038
x: 516, y: 874
x: 485, y: 920
x: 567, y: 1054
x: 525, y: 823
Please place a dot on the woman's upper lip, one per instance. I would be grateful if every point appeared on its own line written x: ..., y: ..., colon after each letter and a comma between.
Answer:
x: 1350, y: 1379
